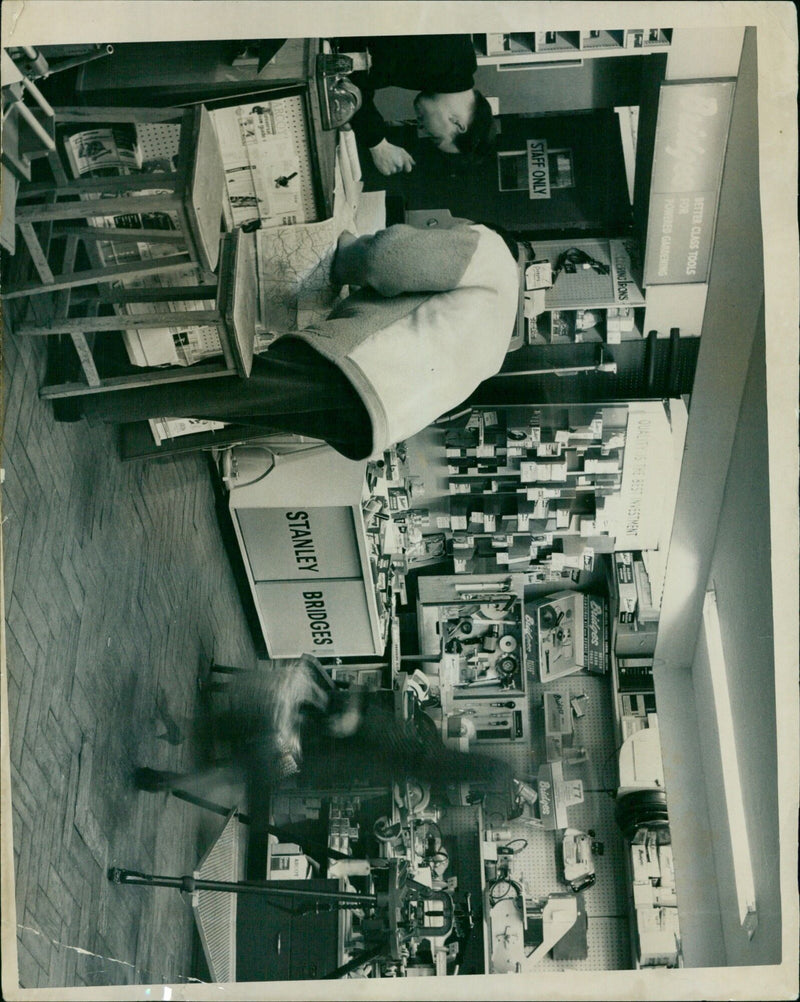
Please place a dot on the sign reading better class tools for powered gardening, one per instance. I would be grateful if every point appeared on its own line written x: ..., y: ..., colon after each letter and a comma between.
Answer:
x: 691, y: 137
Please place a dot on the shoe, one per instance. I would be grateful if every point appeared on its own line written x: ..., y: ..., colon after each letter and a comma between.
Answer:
x: 63, y: 364
x: 151, y: 780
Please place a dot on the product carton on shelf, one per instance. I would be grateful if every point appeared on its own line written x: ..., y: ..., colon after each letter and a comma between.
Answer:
x: 666, y: 866
x: 288, y: 862
x: 626, y: 584
x: 567, y: 632
x: 659, y: 936
x: 665, y: 897
x: 645, y: 863
x: 636, y: 639
x: 538, y: 275
x: 496, y: 44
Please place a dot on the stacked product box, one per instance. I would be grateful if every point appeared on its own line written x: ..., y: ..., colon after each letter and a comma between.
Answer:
x: 343, y: 828
x: 626, y: 586
x: 655, y: 901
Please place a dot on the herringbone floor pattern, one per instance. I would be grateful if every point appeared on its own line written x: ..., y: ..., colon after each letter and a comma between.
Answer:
x: 118, y: 590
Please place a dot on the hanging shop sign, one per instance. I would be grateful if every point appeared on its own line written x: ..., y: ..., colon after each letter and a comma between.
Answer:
x: 626, y: 288
x: 635, y: 515
x: 690, y: 143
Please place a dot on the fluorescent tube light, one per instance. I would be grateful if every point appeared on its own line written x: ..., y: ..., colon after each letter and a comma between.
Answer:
x: 742, y: 863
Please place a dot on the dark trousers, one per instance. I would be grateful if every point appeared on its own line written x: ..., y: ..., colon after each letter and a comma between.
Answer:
x: 292, y: 388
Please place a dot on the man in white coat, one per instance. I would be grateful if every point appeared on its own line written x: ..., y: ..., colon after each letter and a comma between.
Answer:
x: 432, y: 318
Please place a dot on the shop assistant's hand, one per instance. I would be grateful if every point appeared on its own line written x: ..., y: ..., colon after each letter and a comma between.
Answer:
x: 391, y: 159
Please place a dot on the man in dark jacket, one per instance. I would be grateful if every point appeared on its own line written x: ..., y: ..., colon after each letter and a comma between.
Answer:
x: 281, y: 720
x: 449, y: 109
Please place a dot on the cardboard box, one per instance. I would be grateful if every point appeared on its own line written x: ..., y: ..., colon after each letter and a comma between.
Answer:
x: 645, y: 863
x: 666, y: 865
x: 643, y: 894
x: 567, y: 632
x: 659, y: 935
x: 626, y: 319
x: 288, y: 862
x: 665, y: 897
x: 630, y: 725
x: 626, y: 582
x: 640, y: 864
x: 496, y: 44
x: 538, y: 275
x: 657, y: 949
x: 636, y: 639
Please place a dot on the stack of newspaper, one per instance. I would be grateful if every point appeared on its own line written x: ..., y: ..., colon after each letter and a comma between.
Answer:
x: 143, y: 148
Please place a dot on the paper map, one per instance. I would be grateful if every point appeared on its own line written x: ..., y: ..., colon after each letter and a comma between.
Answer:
x: 294, y: 262
x: 294, y: 274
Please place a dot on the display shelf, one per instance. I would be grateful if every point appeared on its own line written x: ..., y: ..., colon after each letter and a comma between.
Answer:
x: 547, y: 500
x: 542, y: 330
x: 623, y: 730
x: 595, y: 38
x: 625, y: 724
x: 487, y: 946
x: 481, y: 637
x: 601, y: 273
x: 595, y: 295
x: 522, y: 50
x: 632, y: 930
x: 621, y: 733
x: 613, y: 614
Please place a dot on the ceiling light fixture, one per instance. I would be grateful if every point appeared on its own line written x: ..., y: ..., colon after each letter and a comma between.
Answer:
x: 740, y: 846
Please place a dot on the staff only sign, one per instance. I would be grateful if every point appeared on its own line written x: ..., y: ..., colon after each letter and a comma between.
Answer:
x: 691, y: 137
x: 538, y: 169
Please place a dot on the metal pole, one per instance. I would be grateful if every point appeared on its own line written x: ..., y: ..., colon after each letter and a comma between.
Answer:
x: 568, y: 370
x: 68, y: 64
x: 281, y: 835
x: 190, y: 884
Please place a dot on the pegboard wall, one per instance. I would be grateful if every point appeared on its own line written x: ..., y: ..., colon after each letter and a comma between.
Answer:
x: 260, y: 141
x: 297, y: 127
x: 537, y: 865
x: 584, y: 286
x: 158, y: 141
